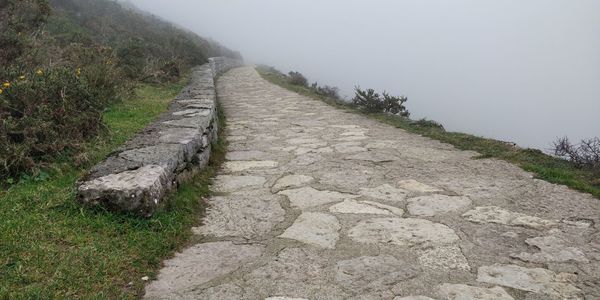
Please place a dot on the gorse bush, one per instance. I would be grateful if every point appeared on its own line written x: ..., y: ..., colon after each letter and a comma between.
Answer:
x: 372, y: 102
x: 296, y: 78
x: 47, y: 112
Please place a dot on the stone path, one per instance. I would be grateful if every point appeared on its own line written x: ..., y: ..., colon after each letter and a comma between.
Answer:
x: 318, y: 203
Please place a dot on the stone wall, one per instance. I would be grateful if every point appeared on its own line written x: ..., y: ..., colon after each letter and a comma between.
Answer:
x: 136, y: 177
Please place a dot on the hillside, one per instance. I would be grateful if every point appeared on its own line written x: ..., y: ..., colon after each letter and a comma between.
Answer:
x: 65, y: 61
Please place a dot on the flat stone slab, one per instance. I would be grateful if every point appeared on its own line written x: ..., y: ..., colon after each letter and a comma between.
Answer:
x: 402, y: 232
x: 536, y: 280
x: 316, y: 229
x: 200, y: 264
x: 229, y: 183
x: 444, y: 258
x: 138, y: 191
x: 245, y: 214
x: 237, y: 166
x: 498, y: 215
x: 292, y: 181
x: 431, y: 205
x: 417, y: 187
x: 385, y: 192
x: 552, y: 249
x: 365, y: 207
x: 307, y: 197
x: 373, y: 273
x: 463, y: 291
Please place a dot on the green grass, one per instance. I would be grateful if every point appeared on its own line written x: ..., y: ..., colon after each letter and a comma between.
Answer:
x: 51, y: 247
x: 544, y: 166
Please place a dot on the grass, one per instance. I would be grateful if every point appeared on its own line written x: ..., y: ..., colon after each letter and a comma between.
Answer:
x: 51, y: 247
x: 544, y: 166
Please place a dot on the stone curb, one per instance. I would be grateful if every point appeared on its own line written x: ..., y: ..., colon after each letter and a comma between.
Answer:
x: 136, y: 177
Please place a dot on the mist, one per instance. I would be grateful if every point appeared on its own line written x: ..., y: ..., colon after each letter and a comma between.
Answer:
x: 526, y: 71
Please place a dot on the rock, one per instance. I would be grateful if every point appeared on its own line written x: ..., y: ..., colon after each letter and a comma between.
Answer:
x: 316, y: 229
x: 373, y: 273
x: 534, y: 280
x: 247, y: 155
x: 433, y: 205
x: 498, y: 215
x: 552, y: 249
x: 291, y: 181
x: 199, y: 264
x: 417, y: 187
x: 301, y: 272
x: 355, y: 207
x: 284, y: 298
x: 139, y: 191
x: 302, y: 141
x: 444, y: 258
x: 308, y: 197
x: 414, y: 298
x: 229, y: 183
x: 168, y: 156
x: 237, y: 166
x: 245, y: 214
x: 462, y: 291
x: 145, y: 278
x: 385, y: 192
x: 351, y: 147
x: 402, y: 232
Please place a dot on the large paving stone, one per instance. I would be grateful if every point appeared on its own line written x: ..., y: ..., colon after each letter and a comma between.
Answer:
x: 139, y: 191
x: 296, y: 273
x: 498, y: 215
x: 245, y: 214
x: 536, y: 280
x: 199, y: 264
x: 317, y: 229
x: 374, y: 273
x: 292, y: 181
x: 365, y: 207
x: 552, y: 249
x: 431, y: 205
x: 307, y: 197
x: 462, y: 291
x: 230, y: 183
x: 385, y: 192
x: 402, y: 232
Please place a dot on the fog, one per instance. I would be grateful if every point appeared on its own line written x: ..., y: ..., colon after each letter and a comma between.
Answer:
x: 526, y: 71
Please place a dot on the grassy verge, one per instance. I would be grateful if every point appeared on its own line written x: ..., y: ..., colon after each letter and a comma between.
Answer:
x: 50, y: 247
x: 544, y: 166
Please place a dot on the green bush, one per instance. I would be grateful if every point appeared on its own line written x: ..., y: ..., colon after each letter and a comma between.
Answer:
x: 372, y: 102
x: 47, y: 112
x: 296, y: 78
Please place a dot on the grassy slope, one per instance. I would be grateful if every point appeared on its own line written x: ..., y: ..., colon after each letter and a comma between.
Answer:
x: 544, y: 166
x: 50, y: 247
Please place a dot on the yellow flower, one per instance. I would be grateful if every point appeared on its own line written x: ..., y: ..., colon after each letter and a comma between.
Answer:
x: 108, y: 62
x: 6, y: 85
x: 22, y: 77
x: 78, y: 71
x: 39, y: 72
x: 1, y: 91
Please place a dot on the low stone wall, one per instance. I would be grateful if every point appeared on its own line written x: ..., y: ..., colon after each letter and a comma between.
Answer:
x: 136, y: 177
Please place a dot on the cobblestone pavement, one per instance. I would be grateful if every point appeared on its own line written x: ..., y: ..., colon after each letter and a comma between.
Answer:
x: 318, y: 203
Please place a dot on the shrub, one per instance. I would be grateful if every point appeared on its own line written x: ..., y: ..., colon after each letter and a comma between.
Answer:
x: 296, y: 78
x: 584, y: 155
x: 372, y: 102
x: 326, y: 91
x: 47, y: 112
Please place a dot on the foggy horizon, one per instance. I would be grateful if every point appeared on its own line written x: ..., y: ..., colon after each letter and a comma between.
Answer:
x: 521, y: 71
